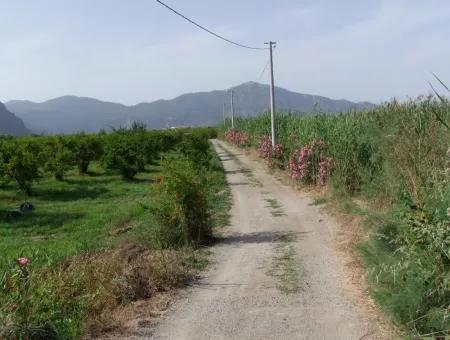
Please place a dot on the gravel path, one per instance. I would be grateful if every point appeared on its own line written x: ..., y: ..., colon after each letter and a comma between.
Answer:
x: 274, y: 274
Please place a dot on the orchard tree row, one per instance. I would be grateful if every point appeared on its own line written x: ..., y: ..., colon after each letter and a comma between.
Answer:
x: 125, y: 151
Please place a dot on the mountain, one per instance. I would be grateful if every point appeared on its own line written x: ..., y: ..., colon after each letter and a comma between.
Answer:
x: 71, y: 114
x: 10, y: 124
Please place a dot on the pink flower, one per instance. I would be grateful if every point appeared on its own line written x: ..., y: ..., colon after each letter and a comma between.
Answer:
x: 238, y: 138
x: 23, y: 262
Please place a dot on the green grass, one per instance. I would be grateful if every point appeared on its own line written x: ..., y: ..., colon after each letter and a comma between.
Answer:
x: 72, y: 216
x: 89, y: 212
x: 219, y: 194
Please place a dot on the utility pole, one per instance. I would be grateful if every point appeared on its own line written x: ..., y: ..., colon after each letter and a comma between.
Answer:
x: 232, y: 109
x: 272, y: 44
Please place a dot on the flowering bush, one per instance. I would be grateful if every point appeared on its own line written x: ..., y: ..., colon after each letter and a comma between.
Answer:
x: 23, y: 262
x: 310, y: 165
x: 238, y: 138
x: 265, y: 147
x: 273, y: 154
x: 16, y: 309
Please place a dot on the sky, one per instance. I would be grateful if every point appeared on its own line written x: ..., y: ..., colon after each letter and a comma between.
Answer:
x: 138, y: 51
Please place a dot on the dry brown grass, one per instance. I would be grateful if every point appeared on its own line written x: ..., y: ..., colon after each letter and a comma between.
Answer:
x: 120, y: 283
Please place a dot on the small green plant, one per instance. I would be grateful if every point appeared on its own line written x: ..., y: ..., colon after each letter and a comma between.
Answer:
x: 16, y: 314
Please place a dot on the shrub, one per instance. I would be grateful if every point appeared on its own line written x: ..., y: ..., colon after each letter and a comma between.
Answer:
x: 122, y: 152
x: 195, y: 146
x: 85, y: 149
x: 310, y: 165
x: 59, y: 156
x: 21, y: 163
x: 182, y: 210
x: 274, y: 155
x: 238, y: 138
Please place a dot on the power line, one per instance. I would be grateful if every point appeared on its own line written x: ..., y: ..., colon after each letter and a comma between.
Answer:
x: 209, y: 31
x: 264, y: 70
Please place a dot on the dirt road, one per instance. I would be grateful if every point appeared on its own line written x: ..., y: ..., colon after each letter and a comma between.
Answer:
x: 274, y: 274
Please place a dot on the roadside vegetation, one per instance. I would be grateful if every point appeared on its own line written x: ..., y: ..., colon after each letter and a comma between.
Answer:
x: 89, y: 223
x: 396, y: 159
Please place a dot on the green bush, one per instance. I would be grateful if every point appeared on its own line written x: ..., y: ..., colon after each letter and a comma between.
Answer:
x: 59, y: 156
x: 195, y: 146
x: 122, y: 152
x: 20, y: 162
x: 85, y: 149
x: 182, y: 210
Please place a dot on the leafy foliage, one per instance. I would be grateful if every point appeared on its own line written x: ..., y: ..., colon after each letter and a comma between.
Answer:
x: 196, y: 147
x: 183, y: 211
x: 85, y: 149
x: 59, y: 156
x: 20, y: 162
x: 123, y: 153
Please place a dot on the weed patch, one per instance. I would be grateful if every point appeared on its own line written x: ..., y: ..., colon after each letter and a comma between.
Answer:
x: 275, y: 207
x: 284, y: 266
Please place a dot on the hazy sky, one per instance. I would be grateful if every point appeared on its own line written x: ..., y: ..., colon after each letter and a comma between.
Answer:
x: 135, y: 51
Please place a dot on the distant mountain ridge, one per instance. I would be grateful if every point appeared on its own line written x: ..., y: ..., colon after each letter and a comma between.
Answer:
x: 70, y: 114
x: 11, y: 124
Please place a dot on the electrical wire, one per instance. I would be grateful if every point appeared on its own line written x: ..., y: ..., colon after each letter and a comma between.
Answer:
x: 209, y: 31
x: 263, y: 71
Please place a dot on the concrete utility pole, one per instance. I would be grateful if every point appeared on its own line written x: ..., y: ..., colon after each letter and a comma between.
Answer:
x: 232, y: 109
x: 272, y: 44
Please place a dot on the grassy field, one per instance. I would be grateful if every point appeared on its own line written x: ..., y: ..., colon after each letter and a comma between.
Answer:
x: 92, y: 242
x: 75, y: 215
x: 395, y: 159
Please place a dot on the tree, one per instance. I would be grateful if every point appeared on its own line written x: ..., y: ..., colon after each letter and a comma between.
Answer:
x: 123, y: 153
x: 22, y: 164
x: 59, y: 156
x: 85, y: 149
